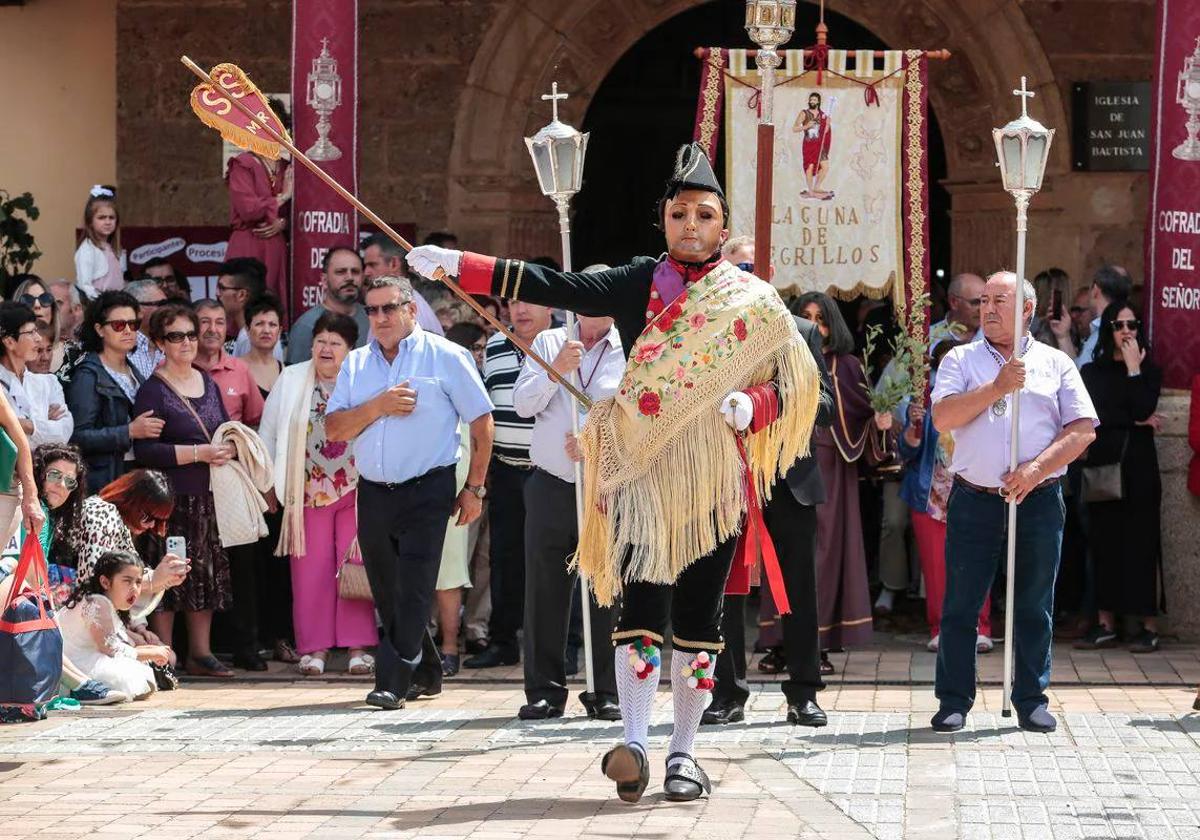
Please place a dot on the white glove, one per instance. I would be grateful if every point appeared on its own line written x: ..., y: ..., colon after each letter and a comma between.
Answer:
x: 738, y: 411
x: 427, y: 259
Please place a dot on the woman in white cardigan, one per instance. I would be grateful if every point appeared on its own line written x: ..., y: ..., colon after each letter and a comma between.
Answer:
x: 316, y: 482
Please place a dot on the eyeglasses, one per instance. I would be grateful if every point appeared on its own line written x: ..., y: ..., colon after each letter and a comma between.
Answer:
x: 152, y: 302
x: 122, y: 325
x: 1131, y: 325
x: 221, y: 287
x: 23, y: 333
x: 58, y: 477
x: 178, y: 337
x: 44, y: 299
x: 385, y: 309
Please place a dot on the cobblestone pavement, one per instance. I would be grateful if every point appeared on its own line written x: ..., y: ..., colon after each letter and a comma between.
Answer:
x: 292, y: 759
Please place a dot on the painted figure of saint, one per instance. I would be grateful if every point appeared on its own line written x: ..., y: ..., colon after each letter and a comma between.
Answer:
x: 816, y: 127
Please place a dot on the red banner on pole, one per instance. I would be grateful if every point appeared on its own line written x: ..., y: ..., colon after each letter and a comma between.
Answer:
x: 324, y: 127
x: 1173, y: 227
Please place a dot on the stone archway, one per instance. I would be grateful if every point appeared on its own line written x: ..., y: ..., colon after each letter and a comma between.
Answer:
x: 494, y: 203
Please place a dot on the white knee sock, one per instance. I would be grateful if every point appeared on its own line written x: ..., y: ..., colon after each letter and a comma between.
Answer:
x: 691, y: 695
x: 636, y: 693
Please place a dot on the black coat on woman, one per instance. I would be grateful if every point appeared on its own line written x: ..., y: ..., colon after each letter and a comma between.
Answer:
x: 1124, y: 536
x: 102, y: 412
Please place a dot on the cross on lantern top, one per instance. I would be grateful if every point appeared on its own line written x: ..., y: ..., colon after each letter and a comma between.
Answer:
x: 554, y: 96
x: 1025, y: 95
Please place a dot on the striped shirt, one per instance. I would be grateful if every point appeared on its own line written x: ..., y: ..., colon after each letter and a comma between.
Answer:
x: 501, y: 364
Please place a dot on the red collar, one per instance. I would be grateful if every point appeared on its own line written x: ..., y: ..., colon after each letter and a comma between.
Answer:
x: 691, y: 272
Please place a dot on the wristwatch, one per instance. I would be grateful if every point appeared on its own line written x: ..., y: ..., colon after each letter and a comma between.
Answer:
x: 478, y: 490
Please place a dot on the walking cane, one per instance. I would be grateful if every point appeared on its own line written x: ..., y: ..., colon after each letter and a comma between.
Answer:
x: 1023, y: 147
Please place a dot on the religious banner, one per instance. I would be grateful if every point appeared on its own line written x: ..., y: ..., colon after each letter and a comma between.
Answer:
x: 850, y: 193
x: 325, y: 128
x: 1173, y: 227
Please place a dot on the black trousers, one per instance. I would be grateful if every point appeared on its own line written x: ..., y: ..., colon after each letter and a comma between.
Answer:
x: 401, y: 528
x: 793, y: 528
x: 691, y: 606
x: 243, y: 576
x: 551, y: 536
x: 506, y: 512
x: 262, y: 591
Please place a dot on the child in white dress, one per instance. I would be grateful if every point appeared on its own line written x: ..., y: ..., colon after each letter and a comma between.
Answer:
x: 94, y: 631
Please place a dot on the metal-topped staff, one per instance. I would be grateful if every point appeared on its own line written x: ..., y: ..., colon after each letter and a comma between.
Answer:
x: 770, y: 24
x: 259, y: 122
x: 558, y: 151
x: 1023, y: 147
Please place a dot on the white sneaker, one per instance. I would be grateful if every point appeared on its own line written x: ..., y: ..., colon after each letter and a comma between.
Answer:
x: 885, y: 601
x: 932, y: 644
x: 984, y: 644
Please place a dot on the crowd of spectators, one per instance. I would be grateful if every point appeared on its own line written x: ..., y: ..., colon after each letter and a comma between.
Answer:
x: 119, y: 380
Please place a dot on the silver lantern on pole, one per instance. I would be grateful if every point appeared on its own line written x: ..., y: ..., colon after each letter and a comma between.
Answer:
x: 1023, y: 148
x: 558, y: 151
x: 770, y: 24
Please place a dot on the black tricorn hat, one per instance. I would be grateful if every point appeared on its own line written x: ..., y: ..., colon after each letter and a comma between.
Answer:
x: 693, y: 172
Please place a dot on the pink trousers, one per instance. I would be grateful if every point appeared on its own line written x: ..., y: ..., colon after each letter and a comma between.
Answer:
x: 931, y: 545
x: 322, y: 619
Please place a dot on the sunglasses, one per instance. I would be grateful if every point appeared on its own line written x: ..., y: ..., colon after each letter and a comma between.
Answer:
x: 178, y: 337
x: 44, y: 299
x: 385, y: 309
x: 122, y: 325
x: 1130, y: 325
x: 57, y: 476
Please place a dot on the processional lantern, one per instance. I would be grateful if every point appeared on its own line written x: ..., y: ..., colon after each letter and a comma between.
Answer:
x: 1023, y: 148
x: 558, y: 151
x: 1187, y: 95
x: 324, y: 95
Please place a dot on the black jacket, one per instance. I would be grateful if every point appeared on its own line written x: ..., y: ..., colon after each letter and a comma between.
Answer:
x: 804, y: 478
x: 102, y: 413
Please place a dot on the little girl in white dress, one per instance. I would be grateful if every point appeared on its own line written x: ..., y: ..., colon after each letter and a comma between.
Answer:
x: 93, y: 630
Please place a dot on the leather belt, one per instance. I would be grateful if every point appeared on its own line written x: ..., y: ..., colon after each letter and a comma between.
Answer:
x: 999, y: 491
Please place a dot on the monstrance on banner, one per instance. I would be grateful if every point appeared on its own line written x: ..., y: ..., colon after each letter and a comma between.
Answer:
x: 850, y: 189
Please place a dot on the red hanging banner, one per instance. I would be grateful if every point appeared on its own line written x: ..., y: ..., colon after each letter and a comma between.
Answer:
x: 1173, y: 227
x: 325, y: 128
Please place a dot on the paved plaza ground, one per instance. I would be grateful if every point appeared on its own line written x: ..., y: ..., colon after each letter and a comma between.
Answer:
x: 279, y: 757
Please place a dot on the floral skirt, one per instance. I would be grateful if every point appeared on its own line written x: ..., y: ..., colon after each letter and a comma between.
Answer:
x: 208, y: 585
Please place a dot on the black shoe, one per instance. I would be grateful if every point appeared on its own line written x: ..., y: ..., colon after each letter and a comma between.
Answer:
x: 826, y: 666
x: 474, y: 646
x: 1097, y: 638
x: 686, y: 780
x: 807, y: 713
x: 600, y: 708
x: 947, y: 721
x: 249, y: 660
x: 571, y: 661
x: 1196, y: 702
x: 1144, y: 642
x: 384, y: 700
x: 627, y: 766
x: 1039, y: 720
x: 450, y: 664
x: 540, y: 710
x: 493, y: 657
x: 416, y: 690
x: 721, y: 713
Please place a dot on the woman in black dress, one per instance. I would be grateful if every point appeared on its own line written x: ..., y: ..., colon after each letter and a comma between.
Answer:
x: 1123, y: 535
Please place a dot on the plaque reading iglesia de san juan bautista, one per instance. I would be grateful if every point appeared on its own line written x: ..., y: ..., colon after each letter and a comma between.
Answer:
x: 1111, y: 123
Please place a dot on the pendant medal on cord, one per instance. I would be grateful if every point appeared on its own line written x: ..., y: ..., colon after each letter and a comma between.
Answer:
x: 1000, y: 406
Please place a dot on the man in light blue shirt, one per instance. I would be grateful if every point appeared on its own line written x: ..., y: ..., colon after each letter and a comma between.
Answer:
x: 400, y: 399
x: 973, y: 397
x: 1110, y: 284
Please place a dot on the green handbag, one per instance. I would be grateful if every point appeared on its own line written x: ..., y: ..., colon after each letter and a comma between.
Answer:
x: 8, y: 462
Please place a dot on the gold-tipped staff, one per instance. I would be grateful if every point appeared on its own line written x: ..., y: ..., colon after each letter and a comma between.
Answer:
x: 234, y: 79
